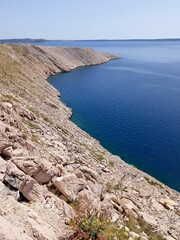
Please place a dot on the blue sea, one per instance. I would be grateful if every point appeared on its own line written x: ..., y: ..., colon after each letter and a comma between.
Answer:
x: 132, y: 104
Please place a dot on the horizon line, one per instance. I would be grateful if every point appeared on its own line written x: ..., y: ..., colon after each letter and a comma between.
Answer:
x: 100, y: 39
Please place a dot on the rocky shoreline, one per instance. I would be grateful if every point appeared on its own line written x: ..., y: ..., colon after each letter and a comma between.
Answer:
x: 48, y: 164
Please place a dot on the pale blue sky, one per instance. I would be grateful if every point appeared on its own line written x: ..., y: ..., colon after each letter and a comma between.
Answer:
x: 90, y: 19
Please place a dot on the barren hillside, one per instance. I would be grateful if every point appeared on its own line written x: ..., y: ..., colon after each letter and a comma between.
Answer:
x: 56, y: 181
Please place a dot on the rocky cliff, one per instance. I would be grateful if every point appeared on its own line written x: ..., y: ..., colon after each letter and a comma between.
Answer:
x: 56, y: 181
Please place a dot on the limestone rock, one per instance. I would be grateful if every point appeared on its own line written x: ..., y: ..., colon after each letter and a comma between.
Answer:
x: 134, y: 235
x: 96, y: 189
x: 4, y: 141
x: 89, y: 171
x: 87, y: 202
x: 13, y: 175
x: 110, y: 208
x: 157, y: 205
x: 7, y: 152
x: 40, y: 169
x: 22, y: 182
x: 9, y: 232
x: 149, y: 219
x: 3, y: 127
x: 169, y: 238
x: 3, y: 146
x: 2, y: 168
x: 7, y: 105
x: 25, y: 113
x: 168, y: 203
x: 144, y: 236
x: 29, y: 189
x: 128, y: 204
x: 28, y: 166
x: 69, y: 185
x: 19, y: 152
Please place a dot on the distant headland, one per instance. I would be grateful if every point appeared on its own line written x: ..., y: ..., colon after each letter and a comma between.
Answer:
x: 31, y: 40
x: 21, y: 40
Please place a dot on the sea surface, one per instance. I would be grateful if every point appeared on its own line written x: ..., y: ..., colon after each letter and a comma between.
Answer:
x: 131, y: 105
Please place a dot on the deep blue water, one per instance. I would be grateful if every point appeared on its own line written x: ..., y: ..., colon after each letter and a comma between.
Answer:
x: 131, y: 105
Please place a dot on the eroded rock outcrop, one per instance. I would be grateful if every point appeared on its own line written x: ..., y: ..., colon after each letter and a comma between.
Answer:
x: 47, y: 163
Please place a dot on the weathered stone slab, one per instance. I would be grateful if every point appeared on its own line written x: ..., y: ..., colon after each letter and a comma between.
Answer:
x: 69, y: 185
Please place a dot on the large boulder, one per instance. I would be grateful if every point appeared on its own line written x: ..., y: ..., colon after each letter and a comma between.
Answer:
x: 38, y: 168
x: 22, y: 182
x: 69, y: 185
x: 88, y: 203
x: 127, y: 204
x: 89, y: 171
x: 7, y: 152
x: 148, y: 219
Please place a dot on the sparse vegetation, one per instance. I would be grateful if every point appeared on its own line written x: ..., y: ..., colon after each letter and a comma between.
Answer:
x: 111, y: 163
x: 48, y: 120
x: 74, y: 204
x: 34, y: 111
x: 177, y: 211
x: 10, y: 98
x: 52, y: 105
x: 153, y: 182
x: 98, y: 156
x: 38, y: 114
x: 32, y: 124
x: 115, y: 187
x: 34, y: 138
x: 138, y: 225
x: 92, y: 227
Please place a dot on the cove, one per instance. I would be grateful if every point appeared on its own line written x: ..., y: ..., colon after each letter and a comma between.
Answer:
x: 131, y: 105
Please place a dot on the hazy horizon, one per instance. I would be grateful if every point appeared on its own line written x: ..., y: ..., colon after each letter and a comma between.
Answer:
x: 94, y: 20
x: 128, y: 39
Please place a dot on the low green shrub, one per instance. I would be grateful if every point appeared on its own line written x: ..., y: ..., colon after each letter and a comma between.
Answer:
x: 111, y: 163
x: 153, y: 182
x: 97, y: 228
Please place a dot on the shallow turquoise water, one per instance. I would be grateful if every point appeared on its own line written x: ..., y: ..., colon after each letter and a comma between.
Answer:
x: 131, y: 105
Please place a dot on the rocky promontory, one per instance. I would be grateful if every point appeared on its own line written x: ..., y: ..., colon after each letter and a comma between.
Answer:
x: 56, y: 181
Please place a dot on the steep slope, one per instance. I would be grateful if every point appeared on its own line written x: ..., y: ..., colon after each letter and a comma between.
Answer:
x: 50, y: 169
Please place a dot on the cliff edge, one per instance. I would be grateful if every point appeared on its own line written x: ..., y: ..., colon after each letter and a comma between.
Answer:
x: 56, y: 181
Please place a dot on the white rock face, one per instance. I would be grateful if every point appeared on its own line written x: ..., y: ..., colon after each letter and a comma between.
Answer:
x: 69, y: 185
x: 149, y: 219
x: 128, y: 204
x: 168, y: 203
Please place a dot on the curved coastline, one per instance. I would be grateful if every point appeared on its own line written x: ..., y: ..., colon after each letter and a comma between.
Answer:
x: 36, y: 131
